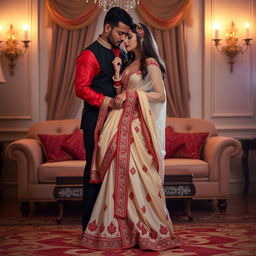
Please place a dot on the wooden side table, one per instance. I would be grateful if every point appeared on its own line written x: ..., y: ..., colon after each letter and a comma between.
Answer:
x: 179, y: 184
x: 247, y: 145
x: 69, y: 186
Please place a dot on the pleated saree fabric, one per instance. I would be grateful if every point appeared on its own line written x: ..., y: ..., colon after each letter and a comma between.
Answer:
x: 130, y: 209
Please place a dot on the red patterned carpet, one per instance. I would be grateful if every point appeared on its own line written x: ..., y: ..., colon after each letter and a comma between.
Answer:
x: 199, y: 239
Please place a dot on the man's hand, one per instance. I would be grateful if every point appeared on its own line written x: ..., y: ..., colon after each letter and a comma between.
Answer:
x: 112, y: 103
x: 120, y: 99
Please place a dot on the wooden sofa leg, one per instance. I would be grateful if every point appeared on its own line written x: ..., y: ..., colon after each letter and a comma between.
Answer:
x: 222, y: 204
x: 24, y: 208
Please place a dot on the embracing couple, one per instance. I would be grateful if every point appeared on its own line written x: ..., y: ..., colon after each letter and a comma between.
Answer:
x: 124, y: 133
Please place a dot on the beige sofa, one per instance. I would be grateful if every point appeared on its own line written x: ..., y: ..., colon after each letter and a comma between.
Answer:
x: 36, y: 177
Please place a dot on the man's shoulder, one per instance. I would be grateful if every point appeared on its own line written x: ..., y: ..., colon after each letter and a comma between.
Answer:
x: 93, y: 46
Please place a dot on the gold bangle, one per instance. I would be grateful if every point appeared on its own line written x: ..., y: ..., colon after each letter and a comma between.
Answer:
x: 117, y: 80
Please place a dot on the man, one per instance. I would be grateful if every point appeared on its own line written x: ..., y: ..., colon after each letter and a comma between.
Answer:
x: 94, y: 84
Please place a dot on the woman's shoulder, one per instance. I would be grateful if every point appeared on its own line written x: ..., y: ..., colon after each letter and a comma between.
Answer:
x: 152, y: 61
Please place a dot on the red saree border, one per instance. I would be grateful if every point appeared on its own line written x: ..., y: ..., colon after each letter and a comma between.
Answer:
x: 123, y: 156
x: 110, y: 243
x: 95, y: 175
x: 108, y: 157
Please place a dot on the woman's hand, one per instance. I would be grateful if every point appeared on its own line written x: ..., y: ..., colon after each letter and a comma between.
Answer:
x: 120, y: 99
x: 117, y: 63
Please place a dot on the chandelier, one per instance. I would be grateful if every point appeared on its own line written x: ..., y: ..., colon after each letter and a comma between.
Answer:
x: 124, y: 4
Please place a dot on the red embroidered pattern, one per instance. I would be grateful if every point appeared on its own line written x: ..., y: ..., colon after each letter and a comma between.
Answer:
x: 153, y: 63
x: 163, y: 230
x: 126, y: 233
x: 111, y: 228
x: 144, y: 168
x: 123, y: 156
x: 137, y: 129
x: 153, y: 234
x: 144, y: 209
x: 132, y: 171
x: 105, y: 243
x: 92, y: 226
x: 148, y: 198
x: 102, y: 228
x: 131, y: 195
x: 108, y: 157
x: 141, y: 227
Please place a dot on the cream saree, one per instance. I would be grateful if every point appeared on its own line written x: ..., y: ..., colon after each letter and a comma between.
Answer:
x: 130, y: 209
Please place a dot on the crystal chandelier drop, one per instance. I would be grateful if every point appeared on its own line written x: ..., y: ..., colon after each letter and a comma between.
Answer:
x: 125, y: 4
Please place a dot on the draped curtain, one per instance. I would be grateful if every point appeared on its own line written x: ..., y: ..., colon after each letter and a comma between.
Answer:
x: 73, y: 30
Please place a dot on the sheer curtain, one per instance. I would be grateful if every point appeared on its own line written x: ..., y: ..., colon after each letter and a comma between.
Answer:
x: 172, y: 48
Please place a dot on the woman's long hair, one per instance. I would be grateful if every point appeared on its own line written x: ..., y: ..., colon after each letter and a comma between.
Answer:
x: 148, y: 50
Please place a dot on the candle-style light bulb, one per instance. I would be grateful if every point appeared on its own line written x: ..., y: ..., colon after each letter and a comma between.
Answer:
x: 247, y: 29
x: 216, y: 28
x: 25, y: 28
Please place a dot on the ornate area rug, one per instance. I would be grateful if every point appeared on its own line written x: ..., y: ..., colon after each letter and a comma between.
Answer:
x: 199, y: 239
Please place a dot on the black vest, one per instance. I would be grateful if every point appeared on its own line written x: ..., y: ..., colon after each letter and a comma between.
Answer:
x: 102, y: 82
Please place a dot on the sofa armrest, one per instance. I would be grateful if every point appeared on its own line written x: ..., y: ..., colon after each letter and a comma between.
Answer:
x: 29, y: 156
x: 217, y: 152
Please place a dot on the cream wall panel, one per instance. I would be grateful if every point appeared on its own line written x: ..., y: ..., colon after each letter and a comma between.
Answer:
x: 229, y: 98
x: 19, y: 96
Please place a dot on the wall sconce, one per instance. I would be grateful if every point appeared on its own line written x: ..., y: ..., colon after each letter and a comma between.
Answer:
x: 11, y: 50
x: 231, y: 48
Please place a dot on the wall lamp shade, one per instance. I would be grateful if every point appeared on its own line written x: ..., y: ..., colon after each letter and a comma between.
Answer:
x: 2, y: 79
x: 231, y: 48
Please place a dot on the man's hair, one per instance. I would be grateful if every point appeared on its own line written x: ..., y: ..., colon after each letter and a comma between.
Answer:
x: 116, y: 15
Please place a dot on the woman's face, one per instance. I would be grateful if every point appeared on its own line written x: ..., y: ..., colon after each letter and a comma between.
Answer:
x: 130, y: 42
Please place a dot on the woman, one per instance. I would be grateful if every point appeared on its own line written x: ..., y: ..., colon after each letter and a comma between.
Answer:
x: 130, y: 209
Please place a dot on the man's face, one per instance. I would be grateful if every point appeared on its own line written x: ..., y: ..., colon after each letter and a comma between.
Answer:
x: 118, y: 34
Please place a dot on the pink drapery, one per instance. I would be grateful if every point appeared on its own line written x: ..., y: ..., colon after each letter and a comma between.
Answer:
x: 159, y: 14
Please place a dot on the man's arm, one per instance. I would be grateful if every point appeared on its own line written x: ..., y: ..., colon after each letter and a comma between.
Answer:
x: 87, y: 67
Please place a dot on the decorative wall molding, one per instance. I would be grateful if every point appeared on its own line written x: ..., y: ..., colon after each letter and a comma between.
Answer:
x: 229, y: 99
x: 16, y: 117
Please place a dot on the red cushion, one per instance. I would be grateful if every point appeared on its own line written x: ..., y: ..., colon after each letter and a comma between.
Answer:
x: 75, y: 145
x: 171, y: 144
x: 193, y: 144
x: 52, y: 147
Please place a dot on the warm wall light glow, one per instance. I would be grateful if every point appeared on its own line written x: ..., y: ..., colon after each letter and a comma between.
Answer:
x: 1, y: 28
x: 216, y: 27
x: 25, y: 28
x: 247, y: 29
x: 247, y: 25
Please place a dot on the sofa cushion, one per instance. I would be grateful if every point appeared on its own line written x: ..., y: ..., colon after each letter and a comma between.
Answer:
x: 47, y: 172
x: 193, y: 143
x: 171, y: 144
x: 74, y: 145
x: 52, y: 145
x: 199, y: 168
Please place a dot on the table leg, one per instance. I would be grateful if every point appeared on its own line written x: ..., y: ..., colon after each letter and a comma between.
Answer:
x: 187, y: 208
x: 61, y: 212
